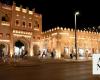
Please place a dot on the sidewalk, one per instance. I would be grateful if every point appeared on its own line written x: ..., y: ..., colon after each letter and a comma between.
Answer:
x: 36, y: 61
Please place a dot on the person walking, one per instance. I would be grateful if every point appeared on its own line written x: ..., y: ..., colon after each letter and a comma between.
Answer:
x: 44, y: 54
x: 71, y: 56
x: 1, y: 55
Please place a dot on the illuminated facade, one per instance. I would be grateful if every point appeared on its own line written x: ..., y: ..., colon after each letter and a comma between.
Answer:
x: 63, y: 40
x: 19, y: 24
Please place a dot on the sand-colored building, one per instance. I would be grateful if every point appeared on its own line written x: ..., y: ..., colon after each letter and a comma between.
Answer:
x: 18, y: 24
x: 63, y: 40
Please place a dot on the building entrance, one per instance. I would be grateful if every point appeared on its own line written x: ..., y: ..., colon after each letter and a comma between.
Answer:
x: 4, y: 49
x: 19, y: 48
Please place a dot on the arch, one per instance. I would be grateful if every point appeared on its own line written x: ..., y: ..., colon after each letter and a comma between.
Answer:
x: 4, y: 48
x: 24, y: 42
x: 36, y: 24
x: 5, y: 18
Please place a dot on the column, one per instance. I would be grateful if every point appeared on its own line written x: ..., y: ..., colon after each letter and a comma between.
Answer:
x: 11, y: 29
x: 31, y: 47
x: 58, y: 52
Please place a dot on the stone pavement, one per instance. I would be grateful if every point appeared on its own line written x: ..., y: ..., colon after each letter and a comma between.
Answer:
x: 54, y: 70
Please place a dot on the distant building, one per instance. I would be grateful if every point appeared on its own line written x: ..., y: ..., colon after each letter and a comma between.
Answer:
x: 63, y: 40
x: 23, y: 25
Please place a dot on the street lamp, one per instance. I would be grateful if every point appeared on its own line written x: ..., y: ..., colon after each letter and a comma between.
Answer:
x: 76, y: 13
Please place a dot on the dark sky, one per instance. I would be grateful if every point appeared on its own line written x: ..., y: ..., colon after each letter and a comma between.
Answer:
x: 61, y: 12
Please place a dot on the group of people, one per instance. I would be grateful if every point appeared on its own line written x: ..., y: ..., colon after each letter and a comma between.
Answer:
x: 72, y: 55
x: 21, y: 55
x: 42, y: 54
x: 1, y: 54
x: 4, y: 57
x: 24, y: 53
x: 47, y: 54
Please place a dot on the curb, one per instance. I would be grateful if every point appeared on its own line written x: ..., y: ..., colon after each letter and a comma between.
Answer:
x: 26, y: 63
x: 39, y: 62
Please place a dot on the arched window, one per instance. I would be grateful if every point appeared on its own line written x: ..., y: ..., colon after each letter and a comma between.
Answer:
x: 23, y: 24
x: 8, y: 35
x: 36, y: 25
x: 5, y: 18
x: 30, y: 24
x: 17, y: 22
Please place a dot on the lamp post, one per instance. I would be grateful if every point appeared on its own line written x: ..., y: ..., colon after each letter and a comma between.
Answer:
x: 76, y: 13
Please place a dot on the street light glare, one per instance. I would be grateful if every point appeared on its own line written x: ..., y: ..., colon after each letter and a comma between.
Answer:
x: 98, y: 27
x: 77, y: 13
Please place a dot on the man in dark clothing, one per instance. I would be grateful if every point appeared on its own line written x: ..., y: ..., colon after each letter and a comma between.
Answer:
x: 26, y: 52
x: 52, y: 54
x: 1, y: 54
x: 71, y: 56
x: 44, y: 54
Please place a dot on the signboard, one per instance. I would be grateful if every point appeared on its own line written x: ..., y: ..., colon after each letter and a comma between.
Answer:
x: 96, y: 64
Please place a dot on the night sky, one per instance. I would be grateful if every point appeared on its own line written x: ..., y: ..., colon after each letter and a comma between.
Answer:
x: 61, y: 12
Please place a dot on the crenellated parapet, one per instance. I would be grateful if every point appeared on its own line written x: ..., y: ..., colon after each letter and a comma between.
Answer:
x: 20, y: 8
x: 81, y: 34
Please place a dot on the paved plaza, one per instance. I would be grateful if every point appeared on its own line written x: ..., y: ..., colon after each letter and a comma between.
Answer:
x: 48, y: 69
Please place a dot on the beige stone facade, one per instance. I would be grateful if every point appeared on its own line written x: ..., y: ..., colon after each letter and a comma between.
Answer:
x: 63, y: 40
x: 19, y: 24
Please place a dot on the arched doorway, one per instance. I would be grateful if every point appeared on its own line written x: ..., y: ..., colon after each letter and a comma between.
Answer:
x: 2, y: 46
x: 19, y: 48
x: 2, y: 50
